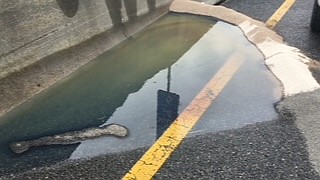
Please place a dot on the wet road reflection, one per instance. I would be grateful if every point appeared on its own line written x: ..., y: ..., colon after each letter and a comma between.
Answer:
x: 167, y: 110
x: 252, y: 93
x: 167, y: 107
x: 143, y: 84
x: 102, y: 92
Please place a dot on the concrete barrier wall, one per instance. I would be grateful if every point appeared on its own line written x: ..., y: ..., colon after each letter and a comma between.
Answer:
x: 34, y: 29
x: 43, y: 42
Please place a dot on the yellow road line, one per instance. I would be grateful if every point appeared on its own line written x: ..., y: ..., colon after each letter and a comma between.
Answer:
x: 277, y: 16
x: 160, y: 151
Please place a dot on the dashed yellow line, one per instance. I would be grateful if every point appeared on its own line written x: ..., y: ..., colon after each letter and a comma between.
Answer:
x: 277, y: 16
x: 160, y: 151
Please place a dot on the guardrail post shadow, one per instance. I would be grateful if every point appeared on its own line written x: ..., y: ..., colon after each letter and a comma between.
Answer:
x: 151, y: 5
x: 131, y: 9
x: 114, y: 8
x: 69, y: 7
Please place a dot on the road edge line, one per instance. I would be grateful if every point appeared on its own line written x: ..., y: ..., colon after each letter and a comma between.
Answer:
x: 279, y: 14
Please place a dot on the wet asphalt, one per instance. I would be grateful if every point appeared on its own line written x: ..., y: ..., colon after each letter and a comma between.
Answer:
x: 275, y: 149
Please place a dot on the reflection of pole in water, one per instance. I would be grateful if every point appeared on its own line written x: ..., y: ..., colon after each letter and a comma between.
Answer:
x: 167, y: 107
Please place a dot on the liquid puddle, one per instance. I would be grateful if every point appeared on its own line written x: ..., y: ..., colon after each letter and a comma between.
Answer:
x: 143, y: 84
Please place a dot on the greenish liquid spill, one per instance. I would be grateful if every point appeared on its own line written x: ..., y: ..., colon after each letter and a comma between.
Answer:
x: 122, y: 86
x: 91, y: 95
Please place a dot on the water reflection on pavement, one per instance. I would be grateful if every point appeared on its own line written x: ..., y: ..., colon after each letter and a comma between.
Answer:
x: 143, y: 84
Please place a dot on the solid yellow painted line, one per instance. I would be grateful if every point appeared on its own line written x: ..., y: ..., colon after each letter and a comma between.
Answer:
x: 277, y: 16
x: 160, y: 151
